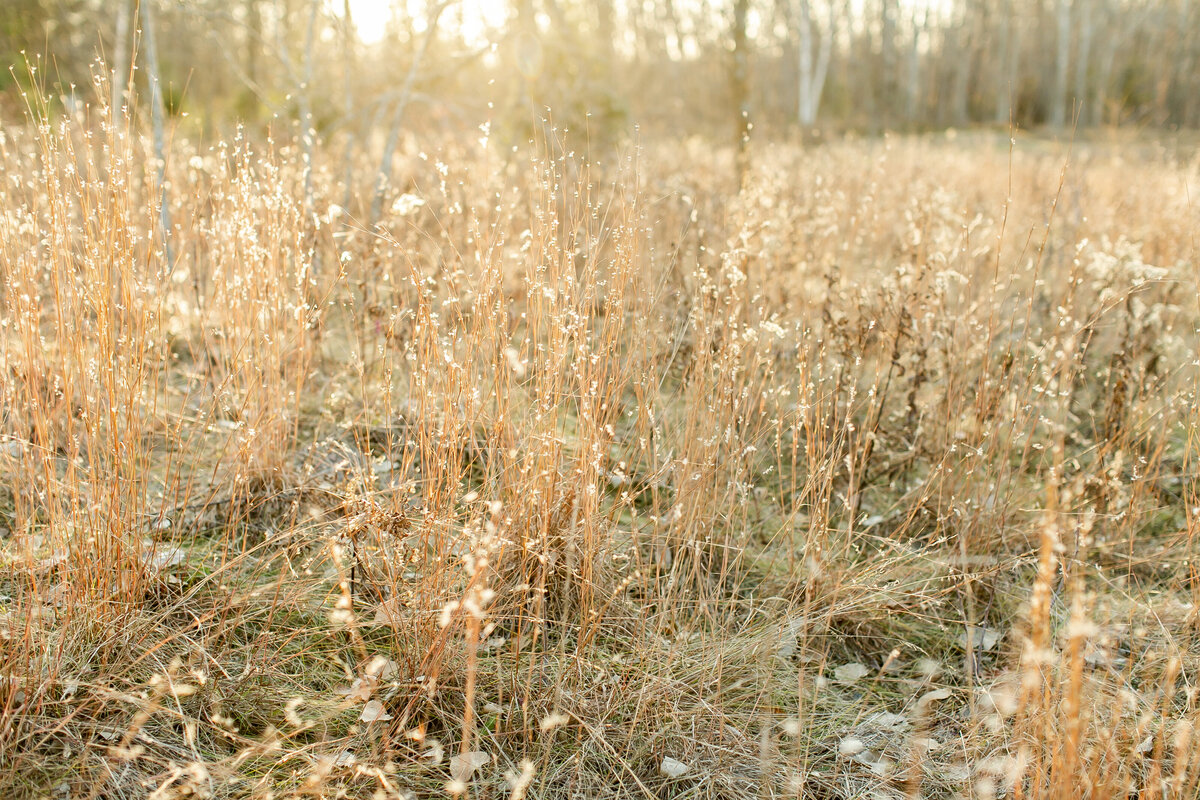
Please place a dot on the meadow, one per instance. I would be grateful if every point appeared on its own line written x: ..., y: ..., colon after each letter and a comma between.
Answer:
x: 605, y: 475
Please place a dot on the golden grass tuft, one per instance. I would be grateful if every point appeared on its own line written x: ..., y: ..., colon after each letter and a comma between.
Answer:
x: 875, y: 478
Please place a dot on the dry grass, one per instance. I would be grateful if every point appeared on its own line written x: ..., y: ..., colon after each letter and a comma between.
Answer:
x: 875, y: 478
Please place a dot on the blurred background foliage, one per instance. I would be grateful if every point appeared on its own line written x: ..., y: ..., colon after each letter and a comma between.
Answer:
x: 687, y: 66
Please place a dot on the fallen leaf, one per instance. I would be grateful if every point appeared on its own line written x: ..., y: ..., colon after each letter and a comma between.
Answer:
x: 361, y: 690
x: 382, y: 668
x: 374, y: 712
x: 434, y: 753
x: 849, y: 673
x: 673, y: 767
x: 492, y: 644
x: 880, y: 766
x: 464, y: 765
x: 981, y: 638
x: 956, y: 772
x: 388, y: 613
x: 160, y: 558
x: 925, y: 743
x: 786, y: 646
x: 51, y: 561
x: 884, y: 722
x: 928, y: 667
x: 931, y: 697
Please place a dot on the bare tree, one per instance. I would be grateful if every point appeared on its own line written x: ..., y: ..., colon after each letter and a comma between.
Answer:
x: 307, y: 132
x: 740, y: 83
x: 156, y: 117
x: 875, y: 62
x: 1188, y: 85
x: 1083, y: 59
x: 1006, y: 60
x: 912, y: 83
x: 1062, y: 58
x: 348, y: 74
x: 121, y: 65
x: 605, y: 30
x: 384, y: 176
x: 886, y: 79
x: 813, y: 69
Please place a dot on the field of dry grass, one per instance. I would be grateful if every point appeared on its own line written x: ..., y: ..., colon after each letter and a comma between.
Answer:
x: 874, y: 478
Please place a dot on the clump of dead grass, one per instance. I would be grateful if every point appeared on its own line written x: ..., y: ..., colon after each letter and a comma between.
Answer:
x: 868, y: 479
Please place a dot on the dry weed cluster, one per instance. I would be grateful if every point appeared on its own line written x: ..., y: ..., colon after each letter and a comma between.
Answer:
x: 874, y: 478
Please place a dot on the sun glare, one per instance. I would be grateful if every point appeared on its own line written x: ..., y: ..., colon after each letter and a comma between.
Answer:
x: 472, y: 18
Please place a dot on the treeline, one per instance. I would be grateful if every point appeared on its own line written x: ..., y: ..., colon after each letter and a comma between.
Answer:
x: 691, y: 65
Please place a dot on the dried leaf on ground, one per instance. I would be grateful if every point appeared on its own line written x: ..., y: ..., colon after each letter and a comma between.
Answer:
x: 374, y: 712
x: 850, y: 673
x: 673, y: 767
x: 464, y: 765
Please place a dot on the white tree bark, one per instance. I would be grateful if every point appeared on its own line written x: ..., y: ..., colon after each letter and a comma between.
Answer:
x: 120, y: 64
x: 1062, y: 56
x: 348, y: 72
x: 813, y: 70
x: 1083, y: 60
x: 307, y: 133
x: 912, y: 83
x: 156, y: 117
x: 1006, y: 64
x: 384, y: 176
x: 804, y: 21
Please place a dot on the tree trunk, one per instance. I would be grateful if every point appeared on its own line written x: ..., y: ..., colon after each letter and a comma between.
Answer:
x: 1083, y: 61
x: 960, y: 76
x: 1104, y: 72
x: 1186, y: 75
x: 912, y: 83
x: 307, y: 133
x: 806, y: 114
x: 1062, y: 55
x: 887, y: 79
x: 741, y: 84
x: 253, y: 40
x: 156, y: 117
x: 120, y: 63
x: 1006, y: 66
x: 606, y: 30
x: 348, y: 57
x: 384, y: 176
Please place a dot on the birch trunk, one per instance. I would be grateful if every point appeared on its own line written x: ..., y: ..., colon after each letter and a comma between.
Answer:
x: 912, y: 83
x: 813, y: 70
x: 384, y: 175
x: 156, y: 118
x: 740, y: 81
x: 1062, y: 55
x: 348, y: 56
x: 1006, y: 67
x: 1083, y: 61
x: 307, y: 134
x: 121, y: 56
x: 804, y: 22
